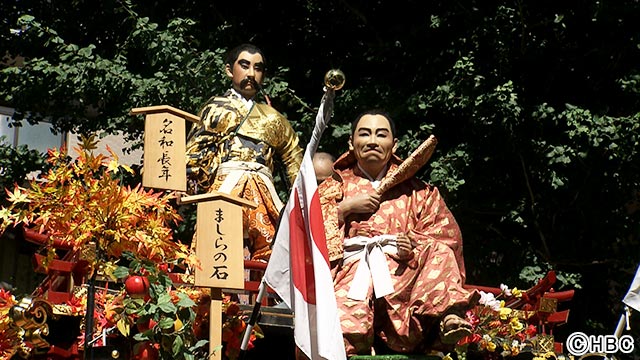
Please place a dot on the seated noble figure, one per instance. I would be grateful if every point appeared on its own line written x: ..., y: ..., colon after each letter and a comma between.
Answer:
x: 396, y: 256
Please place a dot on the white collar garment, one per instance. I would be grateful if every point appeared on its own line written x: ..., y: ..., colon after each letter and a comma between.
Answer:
x: 248, y: 103
x: 374, y: 182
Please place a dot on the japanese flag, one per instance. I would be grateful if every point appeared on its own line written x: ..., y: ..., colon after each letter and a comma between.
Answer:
x: 298, y: 268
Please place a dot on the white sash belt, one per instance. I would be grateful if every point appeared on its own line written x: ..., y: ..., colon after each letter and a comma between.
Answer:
x: 373, y: 264
x: 234, y: 171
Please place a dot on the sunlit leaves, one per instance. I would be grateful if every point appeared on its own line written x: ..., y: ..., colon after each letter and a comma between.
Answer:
x: 81, y: 201
x: 18, y: 195
x: 167, y: 314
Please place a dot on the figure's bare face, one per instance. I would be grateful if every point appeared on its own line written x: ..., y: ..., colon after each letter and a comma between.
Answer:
x: 373, y: 143
x: 247, y: 73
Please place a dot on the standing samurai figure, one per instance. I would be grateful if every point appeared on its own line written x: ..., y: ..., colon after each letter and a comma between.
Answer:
x: 235, y: 145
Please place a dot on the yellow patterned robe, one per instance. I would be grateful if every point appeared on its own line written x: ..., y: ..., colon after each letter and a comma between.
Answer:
x: 229, y: 133
x: 425, y: 287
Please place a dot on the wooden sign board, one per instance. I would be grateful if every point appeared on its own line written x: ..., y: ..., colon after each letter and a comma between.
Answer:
x: 219, y: 240
x: 164, y: 164
x: 219, y: 247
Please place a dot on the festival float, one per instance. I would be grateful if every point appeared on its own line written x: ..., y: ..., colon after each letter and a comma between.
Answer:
x: 118, y: 285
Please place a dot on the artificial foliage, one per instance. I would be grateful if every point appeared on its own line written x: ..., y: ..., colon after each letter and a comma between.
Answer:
x: 234, y: 326
x: 163, y: 315
x: 79, y: 202
x: 10, y: 339
x: 496, y: 328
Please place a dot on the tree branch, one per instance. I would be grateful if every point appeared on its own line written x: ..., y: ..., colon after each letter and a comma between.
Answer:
x: 543, y: 239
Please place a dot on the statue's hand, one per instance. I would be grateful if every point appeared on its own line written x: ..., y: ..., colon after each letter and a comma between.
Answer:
x: 404, y: 247
x: 359, y: 204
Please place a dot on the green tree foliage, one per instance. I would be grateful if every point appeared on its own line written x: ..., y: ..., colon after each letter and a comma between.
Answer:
x: 16, y: 164
x: 535, y: 105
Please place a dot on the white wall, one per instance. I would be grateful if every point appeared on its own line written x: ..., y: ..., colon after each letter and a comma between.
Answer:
x: 116, y: 143
x: 40, y: 137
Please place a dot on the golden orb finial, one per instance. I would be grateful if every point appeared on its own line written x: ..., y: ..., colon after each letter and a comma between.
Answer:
x: 334, y: 79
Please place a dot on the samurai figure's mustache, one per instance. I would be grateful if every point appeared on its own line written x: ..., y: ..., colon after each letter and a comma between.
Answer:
x: 251, y: 81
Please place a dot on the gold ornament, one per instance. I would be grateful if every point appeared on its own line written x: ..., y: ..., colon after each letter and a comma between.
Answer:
x: 334, y: 79
x: 29, y: 318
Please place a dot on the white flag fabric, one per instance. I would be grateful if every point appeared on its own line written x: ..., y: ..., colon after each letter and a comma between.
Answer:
x: 298, y: 268
x: 632, y: 299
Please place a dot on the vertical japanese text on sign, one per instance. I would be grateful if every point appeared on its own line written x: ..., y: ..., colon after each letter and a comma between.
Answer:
x: 220, y: 258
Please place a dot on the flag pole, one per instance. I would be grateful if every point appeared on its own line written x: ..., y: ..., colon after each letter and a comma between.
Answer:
x: 252, y: 320
x: 333, y: 80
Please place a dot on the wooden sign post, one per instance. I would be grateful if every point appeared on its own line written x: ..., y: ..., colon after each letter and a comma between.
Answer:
x: 219, y: 248
x: 164, y: 165
x: 219, y: 239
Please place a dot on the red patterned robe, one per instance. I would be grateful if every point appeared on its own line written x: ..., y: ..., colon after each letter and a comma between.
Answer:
x: 424, y: 288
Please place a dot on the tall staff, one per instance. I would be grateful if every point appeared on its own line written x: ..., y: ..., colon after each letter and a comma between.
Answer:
x: 284, y: 271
